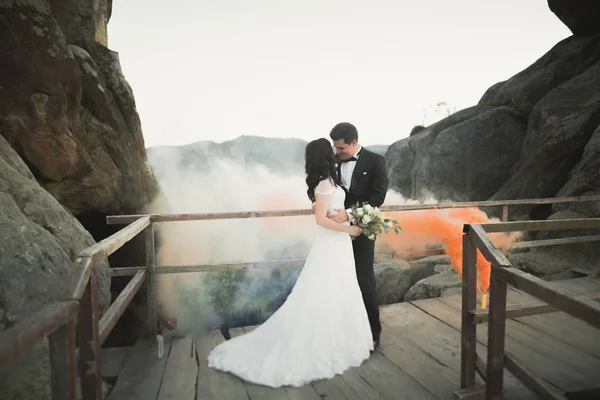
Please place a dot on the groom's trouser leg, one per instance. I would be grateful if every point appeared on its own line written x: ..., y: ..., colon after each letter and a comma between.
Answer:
x: 364, y: 252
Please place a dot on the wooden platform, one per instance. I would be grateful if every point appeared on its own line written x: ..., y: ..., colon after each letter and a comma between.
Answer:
x: 419, y: 358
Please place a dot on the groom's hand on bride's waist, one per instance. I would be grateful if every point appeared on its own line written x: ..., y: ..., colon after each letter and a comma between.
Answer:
x: 340, y: 216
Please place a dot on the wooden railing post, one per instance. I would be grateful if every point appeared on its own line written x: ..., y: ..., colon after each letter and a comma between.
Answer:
x: 63, y: 369
x: 151, y: 280
x: 504, y: 213
x: 496, y: 332
x: 89, y: 340
x: 468, y: 349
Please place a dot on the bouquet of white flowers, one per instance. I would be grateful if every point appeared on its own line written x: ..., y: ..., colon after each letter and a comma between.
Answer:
x: 373, y: 221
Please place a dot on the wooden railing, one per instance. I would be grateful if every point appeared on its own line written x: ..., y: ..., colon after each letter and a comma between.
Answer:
x: 552, y: 298
x: 503, y: 206
x: 76, y: 319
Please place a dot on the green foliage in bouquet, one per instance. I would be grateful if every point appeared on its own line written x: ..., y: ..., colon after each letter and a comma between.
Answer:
x: 373, y: 221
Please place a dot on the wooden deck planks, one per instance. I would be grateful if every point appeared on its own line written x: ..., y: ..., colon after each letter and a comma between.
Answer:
x: 440, y: 379
x: 450, y: 316
x: 181, y: 372
x: 542, y: 336
x: 211, y: 383
x: 548, y: 366
x: 362, y: 388
x: 142, y: 375
x: 426, y: 348
x: 419, y: 358
x: 390, y: 381
x: 113, y: 360
x: 337, y: 389
x: 377, y: 378
x: 567, y: 328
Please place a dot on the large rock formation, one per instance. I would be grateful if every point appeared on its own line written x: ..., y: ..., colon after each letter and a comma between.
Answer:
x: 558, y: 130
x: 522, y: 140
x: 40, y: 239
x: 534, y: 135
x: 68, y: 111
x: 71, y: 151
x: 580, y: 16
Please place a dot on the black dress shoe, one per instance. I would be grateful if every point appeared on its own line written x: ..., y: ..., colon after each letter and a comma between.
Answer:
x: 375, y: 344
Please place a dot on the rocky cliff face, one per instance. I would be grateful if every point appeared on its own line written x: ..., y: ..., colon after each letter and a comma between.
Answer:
x: 40, y: 239
x: 71, y: 152
x: 67, y: 110
x: 581, y: 16
x: 534, y: 135
x: 523, y: 139
x: 530, y: 136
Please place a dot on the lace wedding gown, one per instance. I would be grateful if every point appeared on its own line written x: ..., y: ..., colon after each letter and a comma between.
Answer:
x: 321, y: 330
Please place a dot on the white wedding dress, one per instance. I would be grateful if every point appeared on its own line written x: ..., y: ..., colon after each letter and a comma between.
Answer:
x: 321, y: 330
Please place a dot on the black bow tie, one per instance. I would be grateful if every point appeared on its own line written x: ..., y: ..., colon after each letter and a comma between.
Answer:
x: 348, y: 160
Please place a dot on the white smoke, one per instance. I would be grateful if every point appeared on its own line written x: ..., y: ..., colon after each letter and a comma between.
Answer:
x: 231, y: 185
x: 228, y: 186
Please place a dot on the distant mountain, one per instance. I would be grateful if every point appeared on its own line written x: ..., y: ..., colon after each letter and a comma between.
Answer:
x: 281, y: 156
x: 278, y: 155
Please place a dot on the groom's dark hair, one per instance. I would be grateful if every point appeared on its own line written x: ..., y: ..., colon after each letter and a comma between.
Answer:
x: 344, y: 130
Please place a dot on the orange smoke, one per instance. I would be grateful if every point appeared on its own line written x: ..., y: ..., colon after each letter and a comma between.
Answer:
x: 422, y: 227
x: 287, y: 226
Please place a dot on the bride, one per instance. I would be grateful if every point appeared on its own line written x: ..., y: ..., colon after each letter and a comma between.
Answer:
x: 322, y: 329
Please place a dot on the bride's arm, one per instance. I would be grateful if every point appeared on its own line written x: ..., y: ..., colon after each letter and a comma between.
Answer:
x: 321, y: 203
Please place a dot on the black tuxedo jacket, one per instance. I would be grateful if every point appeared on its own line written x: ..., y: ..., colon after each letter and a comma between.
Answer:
x: 369, y: 180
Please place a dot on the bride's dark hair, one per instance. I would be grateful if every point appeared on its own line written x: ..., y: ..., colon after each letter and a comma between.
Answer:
x: 319, y: 164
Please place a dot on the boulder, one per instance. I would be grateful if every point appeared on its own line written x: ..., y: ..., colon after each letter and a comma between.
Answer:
x: 464, y: 163
x: 584, y: 179
x: 453, y: 291
x: 580, y: 16
x: 434, y: 286
x: 83, y: 21
x: 68, y: 111
x: 542, y: 265
x: 394, y: 278
x: 559, y: 128
x: 438, y: 269
x: 581, y: 255
x: 402, y: 155
x: 40, y: 239
x: 458, y: 161
x: 566, y: 60
x: 433, y: 260
x: 400, y: 160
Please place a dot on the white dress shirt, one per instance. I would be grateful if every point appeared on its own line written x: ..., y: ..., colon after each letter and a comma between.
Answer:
x: 347, y: 169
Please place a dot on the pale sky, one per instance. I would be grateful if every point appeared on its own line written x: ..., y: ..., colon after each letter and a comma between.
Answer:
x: 219, y: 69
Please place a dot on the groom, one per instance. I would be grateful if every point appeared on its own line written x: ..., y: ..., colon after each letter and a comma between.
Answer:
x: 363, y: 175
